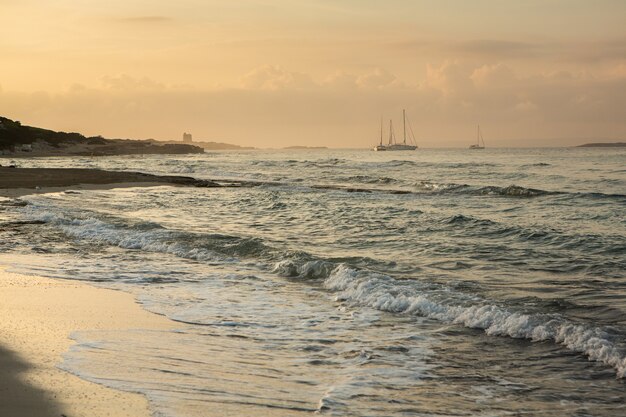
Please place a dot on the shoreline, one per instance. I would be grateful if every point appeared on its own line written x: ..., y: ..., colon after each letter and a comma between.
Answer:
x: 16, y: 182
x: 37, y: 317
x: 21, y: 192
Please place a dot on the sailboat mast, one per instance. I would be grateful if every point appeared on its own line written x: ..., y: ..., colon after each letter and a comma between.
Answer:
x: 478, y: 135
x: 482, y: 139
x: 381, y: 131
x: 390, y: 132
x: 404, y: 124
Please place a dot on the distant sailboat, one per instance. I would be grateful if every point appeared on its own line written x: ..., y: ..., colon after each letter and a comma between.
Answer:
x: 479, y: 139
x: 380, y: 146
x: 393, y: 145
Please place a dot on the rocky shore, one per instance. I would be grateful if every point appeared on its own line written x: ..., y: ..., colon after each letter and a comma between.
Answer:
x: 17, y: 140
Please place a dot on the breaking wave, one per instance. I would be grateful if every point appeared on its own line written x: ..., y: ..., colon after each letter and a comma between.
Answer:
x: 439, y: 187
x: 367, y: 179
x: 515, y: 191
x: 448, y: 165
x: 508, y: 191
x: 538, y: 164
x: 410, y: 297
x: 151, y: 237
x: 207, y: 247
x: 320, y: 163
x: 414, y: 297
x: 353, y: 280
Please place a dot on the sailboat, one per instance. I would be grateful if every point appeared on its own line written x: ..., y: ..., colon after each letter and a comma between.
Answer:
x: 479, y: 139
x: 380, y: 146
x: 393, y: 145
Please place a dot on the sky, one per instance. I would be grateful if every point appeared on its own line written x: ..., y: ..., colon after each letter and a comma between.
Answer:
x: 274, y: 73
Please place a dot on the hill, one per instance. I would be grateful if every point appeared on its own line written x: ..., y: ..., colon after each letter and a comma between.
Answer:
x: 19, y: 140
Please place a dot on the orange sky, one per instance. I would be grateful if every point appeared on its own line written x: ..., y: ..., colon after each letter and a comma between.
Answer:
x: 271, y: 73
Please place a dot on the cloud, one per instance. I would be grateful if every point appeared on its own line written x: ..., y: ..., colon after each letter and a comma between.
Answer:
x: 278, y: 107
x: 378, y: 79
x: 608, y: 50
x: 450, y: 78
x: 497, y: 50
x: 484, y: 49
x: 127, y: 83
x: 526, y: 105
x: 341, y: 81
x: 145, y: 19
x: 499, y: 75
x: 500, y: 49
x: 273, y: 77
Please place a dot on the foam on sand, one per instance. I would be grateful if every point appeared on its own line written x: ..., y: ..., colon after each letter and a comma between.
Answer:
x: 37, y: 317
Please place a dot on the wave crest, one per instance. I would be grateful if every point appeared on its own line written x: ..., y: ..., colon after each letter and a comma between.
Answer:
x: 308, y: 270
x: 515, y: 191
x: 384, y: 293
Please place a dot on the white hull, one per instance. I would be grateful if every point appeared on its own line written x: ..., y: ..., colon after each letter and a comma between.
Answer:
x: 393, y: 146
x: 479, y: 139
x: 381, y: 148
x: 401, y: 147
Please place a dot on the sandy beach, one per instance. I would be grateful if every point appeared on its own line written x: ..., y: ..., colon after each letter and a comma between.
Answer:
x: 313, y: 209
x: 15, y: 182
x: 38, y: 315
x: 472, y: 295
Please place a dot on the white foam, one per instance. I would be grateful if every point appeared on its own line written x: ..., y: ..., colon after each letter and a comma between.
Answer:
x: 184, y: 169
x: 98, y: 231
x: 385, y: 293
x: 437, y: 187
x: 375, y: 290
x: 311, y: 269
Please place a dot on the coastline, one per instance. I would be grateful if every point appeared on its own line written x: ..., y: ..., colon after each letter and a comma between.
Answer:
x: 37, y: 317
x: 16, y: 182
x: 23, y: 191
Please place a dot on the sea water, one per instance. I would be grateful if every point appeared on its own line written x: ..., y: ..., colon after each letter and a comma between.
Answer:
x: 350, y: 282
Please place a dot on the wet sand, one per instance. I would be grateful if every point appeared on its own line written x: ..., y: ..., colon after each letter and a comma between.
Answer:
x: 15, y: 182
x: 37, y: 315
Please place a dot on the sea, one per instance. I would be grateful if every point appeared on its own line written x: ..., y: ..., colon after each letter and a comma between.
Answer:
x: 435, y: 282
